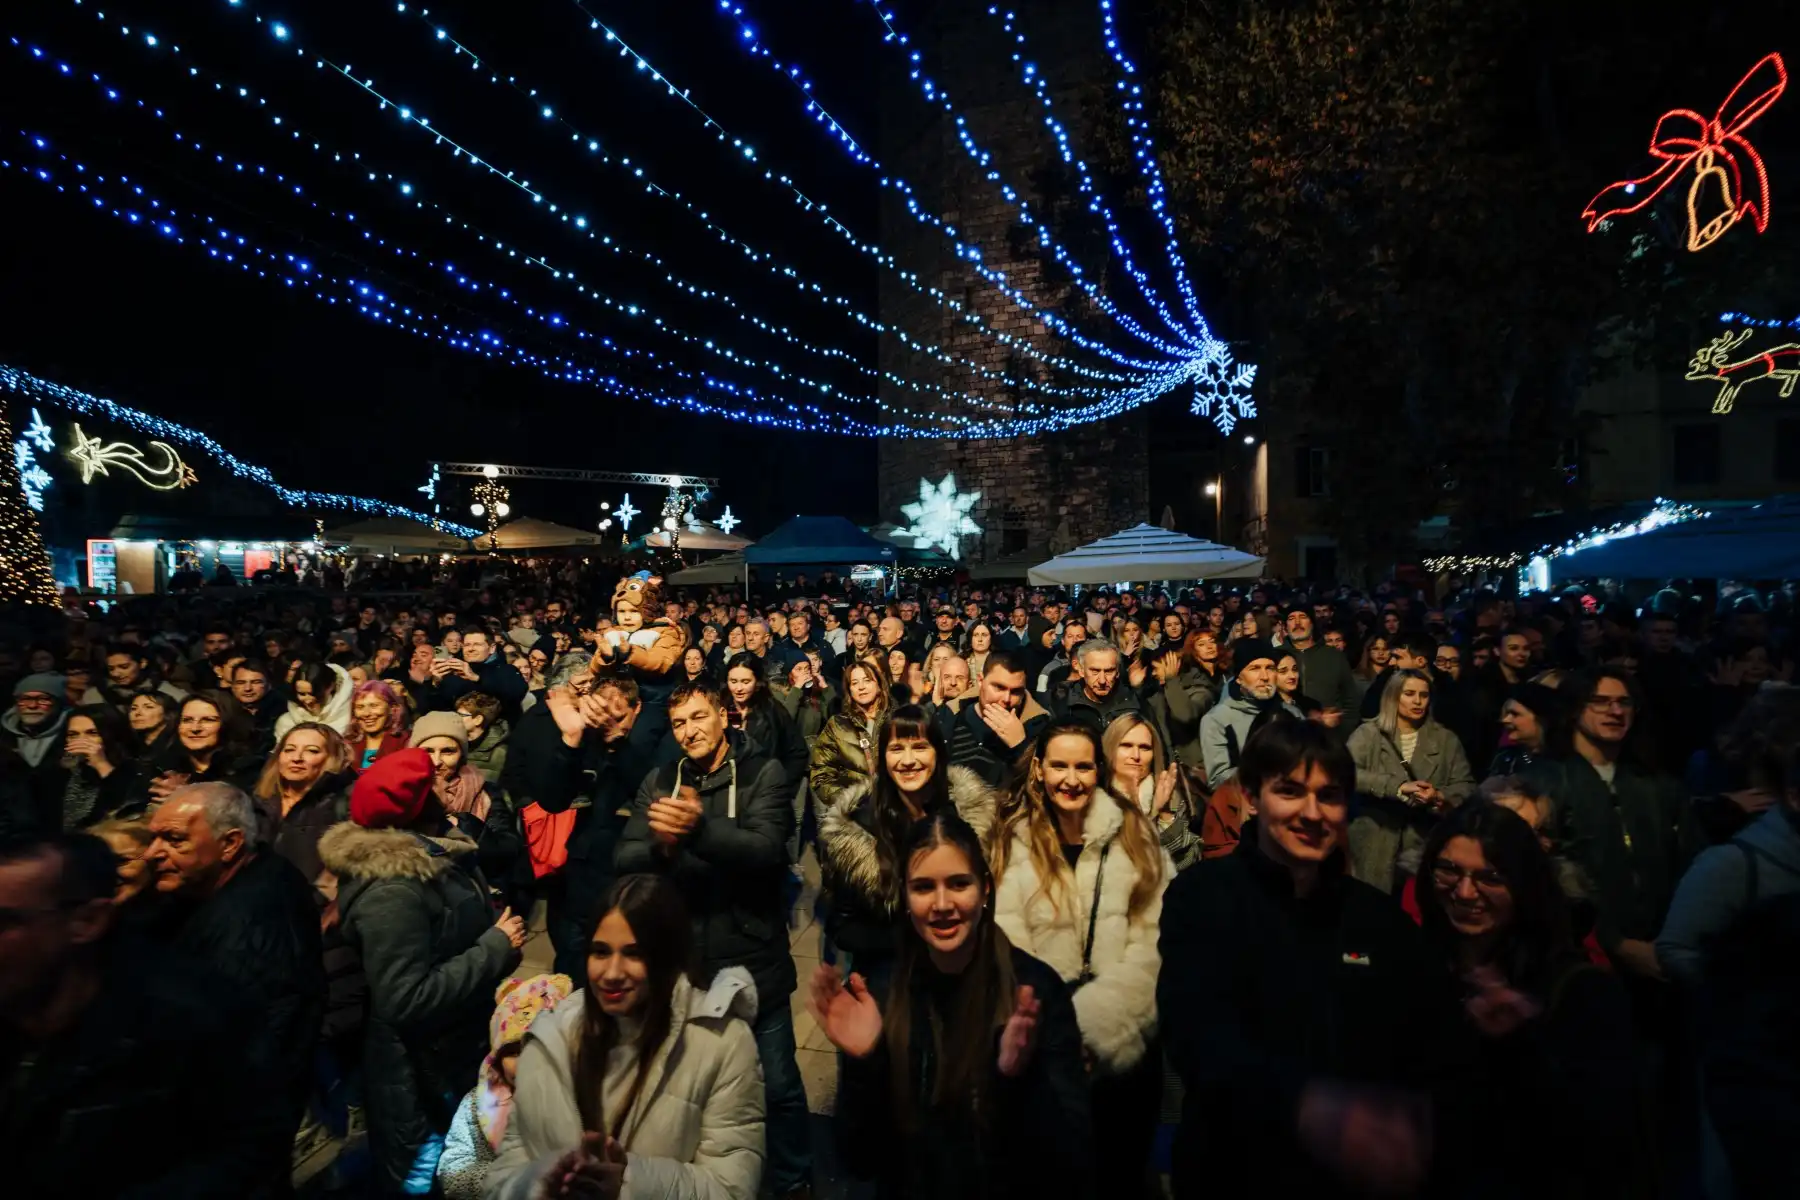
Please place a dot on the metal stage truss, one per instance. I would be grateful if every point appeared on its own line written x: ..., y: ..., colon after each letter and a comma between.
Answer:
x: 563, y: 475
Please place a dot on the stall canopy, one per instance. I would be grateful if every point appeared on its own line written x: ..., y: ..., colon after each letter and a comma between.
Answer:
x: 820, y: 541
x: 727, y: 568
x: 529, y: 533
x: 707, y: 537
x: 1761, y: 541
x: 393, y: 535
x: 1146, y: 552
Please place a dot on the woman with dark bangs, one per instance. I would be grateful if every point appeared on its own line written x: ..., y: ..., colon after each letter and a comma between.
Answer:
x: 862, y: 832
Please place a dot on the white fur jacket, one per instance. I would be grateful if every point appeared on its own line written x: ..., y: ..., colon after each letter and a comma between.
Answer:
x: 847, y: 855
x: 1117, y: 1009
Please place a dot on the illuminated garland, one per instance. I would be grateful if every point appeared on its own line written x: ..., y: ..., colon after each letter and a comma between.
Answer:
x: 1712, y: 146
x: 25, y: 576
x: 1664, y: 512
x: 1736, y: 318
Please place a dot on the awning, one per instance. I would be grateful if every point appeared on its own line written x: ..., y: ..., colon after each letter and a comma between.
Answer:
x: 817, y: 541
x: 529, y: 533
x: 1760, y: 541
x: 394, y: 535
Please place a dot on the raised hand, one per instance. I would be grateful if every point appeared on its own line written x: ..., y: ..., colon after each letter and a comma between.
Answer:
x: 1729, y: 672
x: 1167, y: 666
x: 1019, y: 1038
x: 1165, y: 789
x: 1137, y: 673
x: 513, y: 927
x: 846, y: 1012
x: 565, y: 711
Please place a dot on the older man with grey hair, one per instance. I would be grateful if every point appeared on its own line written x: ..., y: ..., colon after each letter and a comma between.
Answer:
x: 246, y: 914
x: 1102, y: 693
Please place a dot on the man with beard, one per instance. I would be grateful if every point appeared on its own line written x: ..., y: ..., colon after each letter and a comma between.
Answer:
x: 1225, y: 728
x: 248, y: 915
x: 716, y: 822
x: 31, y: 743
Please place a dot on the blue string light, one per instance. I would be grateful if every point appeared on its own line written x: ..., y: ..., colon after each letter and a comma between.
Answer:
x: 1737, y: 318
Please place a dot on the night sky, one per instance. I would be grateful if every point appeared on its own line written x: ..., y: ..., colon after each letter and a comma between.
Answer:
x: 330, y: 400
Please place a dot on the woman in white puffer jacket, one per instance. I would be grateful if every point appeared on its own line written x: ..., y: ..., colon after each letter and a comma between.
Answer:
x: 643, y: 1071
x: 1080, y: 886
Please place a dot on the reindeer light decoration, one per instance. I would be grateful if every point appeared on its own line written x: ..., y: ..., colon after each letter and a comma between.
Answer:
x: 1713, y: 361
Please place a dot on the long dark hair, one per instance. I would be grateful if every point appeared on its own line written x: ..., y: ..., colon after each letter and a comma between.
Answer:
x: 1539, y: 942
x: 892, y: 820
x: 116, y: 741
x: 653, y: 907
x: 754, y: 665
x: 964, y: 1045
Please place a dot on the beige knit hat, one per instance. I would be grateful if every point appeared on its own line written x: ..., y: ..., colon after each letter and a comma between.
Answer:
x: 440, y: 724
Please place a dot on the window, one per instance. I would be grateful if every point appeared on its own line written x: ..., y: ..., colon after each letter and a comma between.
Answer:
x: 1787, y: 450
x: 1697, y: 453
x: 1015, y: 531
x: 1311, y: 464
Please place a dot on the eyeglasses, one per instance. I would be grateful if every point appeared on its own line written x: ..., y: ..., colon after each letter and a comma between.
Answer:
x: 1449, y: 876
x: 1607, y: 703
x: 1449, y: 660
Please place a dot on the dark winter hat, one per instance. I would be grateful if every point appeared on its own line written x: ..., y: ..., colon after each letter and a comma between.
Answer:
x: 48, y: 682
x: 1541, y: 702
x: 393, y: 791
x: 1245, y: 651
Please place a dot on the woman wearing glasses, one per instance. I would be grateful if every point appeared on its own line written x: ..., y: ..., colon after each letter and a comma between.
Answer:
x: 1543, y: 1043
x: 212, y: 741
x: 1409, y: 770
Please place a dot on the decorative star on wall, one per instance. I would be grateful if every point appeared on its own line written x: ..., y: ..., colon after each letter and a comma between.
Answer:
x: 33, y: 479
x: 625, y: 512
x: 727, y: 522
x: 941, y: 516
x: 39, y: 433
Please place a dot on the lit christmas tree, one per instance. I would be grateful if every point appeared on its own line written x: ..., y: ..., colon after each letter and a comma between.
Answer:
x: 24, y: 563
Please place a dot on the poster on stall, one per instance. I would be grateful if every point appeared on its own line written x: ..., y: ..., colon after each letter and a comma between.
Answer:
x: 103, y: 569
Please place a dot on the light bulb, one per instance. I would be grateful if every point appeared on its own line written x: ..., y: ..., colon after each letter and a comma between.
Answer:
x: 606, y: 506
x: 669, y: 523
x: 502, y: 509
x: 477, y: 508
x: 490, y: 472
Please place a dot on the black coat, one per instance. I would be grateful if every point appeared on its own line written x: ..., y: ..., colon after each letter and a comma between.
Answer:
x: 732, y: 869
x: 163, y: 1041
x: 1038, y: 1141
x: 297, y: 839
x: 771, y: 733
x: 496, y: 677
x: 1263, y: 993
x: 416, y: 910
x: 261, y: 932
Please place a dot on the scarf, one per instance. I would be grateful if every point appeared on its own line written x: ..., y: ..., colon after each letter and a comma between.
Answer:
x: 464, y: 792
x: 80, y: 794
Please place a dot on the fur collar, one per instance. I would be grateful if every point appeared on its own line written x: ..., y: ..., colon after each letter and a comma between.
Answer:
x: 347, y: 849
x: 849, y: 848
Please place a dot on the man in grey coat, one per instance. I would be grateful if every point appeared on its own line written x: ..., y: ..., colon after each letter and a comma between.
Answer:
x: 1226, y: 726
x: 1324, y: 674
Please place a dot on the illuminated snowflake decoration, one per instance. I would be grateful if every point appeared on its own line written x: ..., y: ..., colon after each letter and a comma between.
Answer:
x: 39, y: 433
x: 727, y: 522
x: 941, y: 517
x: 33, y: 479
x: 1222, y: 388
x: 625, y: 512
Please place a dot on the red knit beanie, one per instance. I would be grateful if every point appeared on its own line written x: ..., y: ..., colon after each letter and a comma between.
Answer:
x: 393, y: 791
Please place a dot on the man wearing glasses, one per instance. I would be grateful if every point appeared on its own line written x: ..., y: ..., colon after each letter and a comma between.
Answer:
x: 31, y: 741
x: 1620, y: 819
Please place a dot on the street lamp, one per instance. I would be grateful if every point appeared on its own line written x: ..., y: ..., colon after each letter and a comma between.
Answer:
x: 1215, y: 487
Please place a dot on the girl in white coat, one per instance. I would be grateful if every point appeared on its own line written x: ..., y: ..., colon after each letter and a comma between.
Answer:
x: 1080, y: 886
x: 644, y: 1084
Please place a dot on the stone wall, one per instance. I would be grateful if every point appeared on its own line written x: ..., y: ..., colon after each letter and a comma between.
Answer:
x: 1038, y: 493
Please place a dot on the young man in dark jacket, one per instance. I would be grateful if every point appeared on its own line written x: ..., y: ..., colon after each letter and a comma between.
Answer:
x: 574, y: 751
x: 481, y: 668
x: 1296, y: 998
x: 717, y: 823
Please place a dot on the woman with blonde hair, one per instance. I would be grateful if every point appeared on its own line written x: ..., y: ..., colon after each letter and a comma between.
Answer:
x: 1141, y: 773
x: 1079, y: 880
x: 1410, y: 771
x: 844, y: 753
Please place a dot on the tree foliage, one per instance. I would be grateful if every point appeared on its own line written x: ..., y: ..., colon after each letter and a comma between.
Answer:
x: 1387, y: 195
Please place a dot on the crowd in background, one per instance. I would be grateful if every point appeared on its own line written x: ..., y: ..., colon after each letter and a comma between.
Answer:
x: 1382, y: 893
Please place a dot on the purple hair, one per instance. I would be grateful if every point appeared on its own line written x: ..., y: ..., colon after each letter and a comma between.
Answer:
x: 395, y: 701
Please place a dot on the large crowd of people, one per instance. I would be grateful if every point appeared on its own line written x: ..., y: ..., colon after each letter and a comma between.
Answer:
x: 1382, y: 892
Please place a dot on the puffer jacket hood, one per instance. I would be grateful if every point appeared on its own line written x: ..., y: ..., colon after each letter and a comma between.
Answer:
x: 351, y: 852
x: 847, y: 844
x: 336, y: 713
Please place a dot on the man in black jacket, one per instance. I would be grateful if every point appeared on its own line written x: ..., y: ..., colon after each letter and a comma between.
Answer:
x: 481, y: 668
x: 127, y: 1072
x: 574, y: 751
x: 249, y: 916
x: 1324, y: 674
x: 992, y: 730
x: 717, y: 823
x: 1296, y: 997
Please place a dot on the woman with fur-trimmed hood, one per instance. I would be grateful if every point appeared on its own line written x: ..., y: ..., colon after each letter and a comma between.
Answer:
x: 414, y: 906
x: 861, y: 832
x: 1079, y: 882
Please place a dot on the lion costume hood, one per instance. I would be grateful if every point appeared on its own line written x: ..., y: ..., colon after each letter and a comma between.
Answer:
x: 655, y: 647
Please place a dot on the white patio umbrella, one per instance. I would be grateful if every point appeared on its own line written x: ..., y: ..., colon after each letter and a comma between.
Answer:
x: 1146, y: 552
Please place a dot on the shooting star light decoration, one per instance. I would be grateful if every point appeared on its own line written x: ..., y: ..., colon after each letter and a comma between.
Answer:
x: 95, y: 457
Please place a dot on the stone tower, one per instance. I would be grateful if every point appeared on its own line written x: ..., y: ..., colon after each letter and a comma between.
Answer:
x: 1042, y: 493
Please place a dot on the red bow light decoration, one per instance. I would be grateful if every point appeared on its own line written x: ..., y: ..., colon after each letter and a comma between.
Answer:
x: 1713, y: 145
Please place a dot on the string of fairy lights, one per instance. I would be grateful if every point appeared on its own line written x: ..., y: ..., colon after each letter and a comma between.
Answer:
x: 553, y: 343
